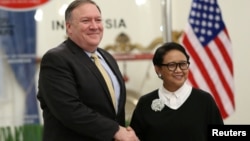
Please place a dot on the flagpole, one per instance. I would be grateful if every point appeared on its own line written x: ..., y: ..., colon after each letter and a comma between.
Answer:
x: 166, y: 20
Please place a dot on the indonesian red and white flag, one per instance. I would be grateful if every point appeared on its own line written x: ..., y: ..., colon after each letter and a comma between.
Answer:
x: 209, y: 46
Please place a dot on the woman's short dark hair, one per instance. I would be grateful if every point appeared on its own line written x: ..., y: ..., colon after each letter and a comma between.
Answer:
x: 166, y: 47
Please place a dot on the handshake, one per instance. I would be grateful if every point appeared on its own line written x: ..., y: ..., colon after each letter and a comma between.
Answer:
x: 125, y: 134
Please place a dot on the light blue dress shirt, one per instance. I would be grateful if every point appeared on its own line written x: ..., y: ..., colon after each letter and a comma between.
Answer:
x: 112, y: 76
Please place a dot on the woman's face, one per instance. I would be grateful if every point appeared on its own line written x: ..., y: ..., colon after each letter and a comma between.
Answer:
x: 175, y: 73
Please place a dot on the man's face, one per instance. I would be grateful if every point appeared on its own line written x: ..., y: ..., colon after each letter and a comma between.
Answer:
x: 85, y: 27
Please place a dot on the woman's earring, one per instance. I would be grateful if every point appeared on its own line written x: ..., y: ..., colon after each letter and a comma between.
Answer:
x: 159, y: 75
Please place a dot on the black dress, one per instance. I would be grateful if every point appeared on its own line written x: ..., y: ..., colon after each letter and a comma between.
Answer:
x: 187, y: 123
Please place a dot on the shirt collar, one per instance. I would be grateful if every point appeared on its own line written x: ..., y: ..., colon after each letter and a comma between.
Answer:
x: 98, y: 54
x: 179, y: 93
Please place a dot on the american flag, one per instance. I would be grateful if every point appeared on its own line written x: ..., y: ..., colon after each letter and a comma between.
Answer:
x: 209, y: 46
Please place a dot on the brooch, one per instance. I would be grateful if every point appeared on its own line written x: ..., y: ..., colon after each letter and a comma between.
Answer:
x: 157, y: 105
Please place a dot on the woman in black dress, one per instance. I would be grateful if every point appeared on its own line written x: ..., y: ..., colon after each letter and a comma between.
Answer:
x: 176, y: 111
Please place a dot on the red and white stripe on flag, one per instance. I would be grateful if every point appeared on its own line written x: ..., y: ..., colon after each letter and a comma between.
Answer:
x: 208, y: 44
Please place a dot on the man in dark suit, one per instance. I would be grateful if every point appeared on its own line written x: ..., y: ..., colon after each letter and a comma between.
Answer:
x: 73, y: 94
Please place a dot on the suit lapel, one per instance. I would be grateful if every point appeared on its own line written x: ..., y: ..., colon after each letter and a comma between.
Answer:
x: 89, y: 64
x: 112, y: 64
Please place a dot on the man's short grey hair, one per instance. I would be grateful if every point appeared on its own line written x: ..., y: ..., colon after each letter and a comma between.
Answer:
x: 75, y: 4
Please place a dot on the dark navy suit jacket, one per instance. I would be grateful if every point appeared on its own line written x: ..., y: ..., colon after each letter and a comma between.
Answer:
x: 74, y: 97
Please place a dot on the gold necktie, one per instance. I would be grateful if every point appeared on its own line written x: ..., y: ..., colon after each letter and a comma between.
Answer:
x: 106, y: 77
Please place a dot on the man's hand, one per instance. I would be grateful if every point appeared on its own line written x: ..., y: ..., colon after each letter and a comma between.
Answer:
x: 125, y: 134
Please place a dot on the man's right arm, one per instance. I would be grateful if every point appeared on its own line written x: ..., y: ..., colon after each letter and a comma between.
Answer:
x: 125, y: 134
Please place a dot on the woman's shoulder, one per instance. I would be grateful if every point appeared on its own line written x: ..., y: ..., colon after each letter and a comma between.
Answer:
x: 201, y: 94
x: 149, y: 96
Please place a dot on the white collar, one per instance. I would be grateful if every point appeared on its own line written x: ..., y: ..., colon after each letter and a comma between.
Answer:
x: 181, y: 94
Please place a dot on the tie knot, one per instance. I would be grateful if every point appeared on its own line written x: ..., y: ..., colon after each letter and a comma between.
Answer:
x: 94, y: 56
